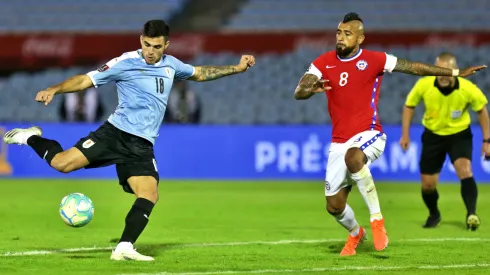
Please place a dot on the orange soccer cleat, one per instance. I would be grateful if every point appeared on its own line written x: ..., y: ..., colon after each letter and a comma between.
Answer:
x: 352, y: 243
x: 379, y: 234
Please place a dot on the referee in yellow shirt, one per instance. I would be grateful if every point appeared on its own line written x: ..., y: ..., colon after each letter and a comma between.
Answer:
x: 447, y: 131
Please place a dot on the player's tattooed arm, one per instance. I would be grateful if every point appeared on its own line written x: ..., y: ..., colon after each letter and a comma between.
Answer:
x: 208, y: 73
x: 304, y: 90
x: 423, y: 69
x: 308, y: 86
x: 417, y: 68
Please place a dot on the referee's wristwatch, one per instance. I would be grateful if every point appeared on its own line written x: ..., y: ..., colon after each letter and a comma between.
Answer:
x: 486, y: 140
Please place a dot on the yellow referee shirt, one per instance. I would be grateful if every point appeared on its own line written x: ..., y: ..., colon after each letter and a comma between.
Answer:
x: 446, y: 114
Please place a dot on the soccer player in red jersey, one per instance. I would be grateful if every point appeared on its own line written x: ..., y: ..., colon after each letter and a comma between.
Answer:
x: 354, y: 77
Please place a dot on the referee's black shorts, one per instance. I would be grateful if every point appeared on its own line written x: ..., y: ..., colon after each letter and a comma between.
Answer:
x: 435, y: 148
x: 132, y: 155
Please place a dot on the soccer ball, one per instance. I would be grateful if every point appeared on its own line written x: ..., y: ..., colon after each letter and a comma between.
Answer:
x: 76, y: 210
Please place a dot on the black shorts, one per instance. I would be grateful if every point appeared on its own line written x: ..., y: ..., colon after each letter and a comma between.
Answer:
x: 435, y: 148
x: 132, y: 155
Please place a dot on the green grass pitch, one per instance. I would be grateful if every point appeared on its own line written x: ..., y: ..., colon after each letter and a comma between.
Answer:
x: 203, y: 228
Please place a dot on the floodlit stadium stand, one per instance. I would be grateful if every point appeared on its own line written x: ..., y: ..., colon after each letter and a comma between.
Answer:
x: 83, y: 15
x: 265, y: 98
x: 275, y: 15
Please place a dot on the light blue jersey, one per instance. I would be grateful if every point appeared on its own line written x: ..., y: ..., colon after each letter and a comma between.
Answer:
x: 142, y: 89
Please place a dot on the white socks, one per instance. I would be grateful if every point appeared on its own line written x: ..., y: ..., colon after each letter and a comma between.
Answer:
x: 348, y: 221
x: 123, y: 246
x: 367, y: 189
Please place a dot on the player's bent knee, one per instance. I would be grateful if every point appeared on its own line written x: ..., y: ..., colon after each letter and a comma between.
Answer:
x: 69, y: 161
x: 151, y: 196
x: 354, y: 160
x: 145, y: 187
x: 61, y: 164
x: 335, y: 210
x: 335, y: 206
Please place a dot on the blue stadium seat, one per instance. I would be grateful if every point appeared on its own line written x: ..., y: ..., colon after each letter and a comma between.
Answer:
x: 84, y: 15
x: 377, y: 14
x: 264, y: 95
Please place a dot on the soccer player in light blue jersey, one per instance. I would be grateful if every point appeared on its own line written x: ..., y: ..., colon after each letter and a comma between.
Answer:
x: 144, y: 79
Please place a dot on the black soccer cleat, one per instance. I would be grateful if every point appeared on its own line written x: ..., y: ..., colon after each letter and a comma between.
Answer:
x: 472, y: 222
x: 432, y: 221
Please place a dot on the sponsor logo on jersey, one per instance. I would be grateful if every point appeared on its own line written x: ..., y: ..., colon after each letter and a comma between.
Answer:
x: 361, y: 65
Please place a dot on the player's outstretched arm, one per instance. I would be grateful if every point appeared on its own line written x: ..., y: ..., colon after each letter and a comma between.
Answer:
x: 208, y: 73
x: 309, y: 85
x: 418, y: 68
x: 72, y: 84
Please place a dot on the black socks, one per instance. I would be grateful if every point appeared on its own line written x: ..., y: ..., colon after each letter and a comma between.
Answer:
x: 45, y: 148
x: 136, y: 220
x: 430, y: 199
x: 469, y: 192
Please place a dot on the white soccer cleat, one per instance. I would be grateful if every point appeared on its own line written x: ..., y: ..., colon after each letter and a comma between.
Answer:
x: 20, y: 136
x: 126, y: 252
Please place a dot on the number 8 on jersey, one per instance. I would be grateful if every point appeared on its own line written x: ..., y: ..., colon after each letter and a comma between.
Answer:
x: 343, y: 79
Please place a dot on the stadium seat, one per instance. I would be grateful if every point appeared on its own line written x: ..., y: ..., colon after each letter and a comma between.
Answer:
x: 269, y: 15
x: 83, y: 15
x: 264, y: 95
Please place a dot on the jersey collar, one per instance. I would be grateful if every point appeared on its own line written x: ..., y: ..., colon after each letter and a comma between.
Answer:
x: 447, y: 91
x: 350, y: 58
x: 140, y: 52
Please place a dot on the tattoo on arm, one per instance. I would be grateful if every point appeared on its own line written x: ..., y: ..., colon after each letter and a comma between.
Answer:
x: 417, y: 68
x: 208, y: 73
x: 304, y: 90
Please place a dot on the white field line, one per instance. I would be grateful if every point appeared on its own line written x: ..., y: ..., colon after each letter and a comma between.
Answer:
x: 322, y: 269
x: 280, y: 242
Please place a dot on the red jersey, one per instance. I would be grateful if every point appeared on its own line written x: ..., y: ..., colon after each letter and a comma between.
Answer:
x: 356, y: 83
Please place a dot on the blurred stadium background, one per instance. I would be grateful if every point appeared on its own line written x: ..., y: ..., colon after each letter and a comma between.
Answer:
x: 44, y: 42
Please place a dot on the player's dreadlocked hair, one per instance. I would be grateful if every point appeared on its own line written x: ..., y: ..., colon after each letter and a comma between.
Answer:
x: 351, y: 16
x: 156, y: 28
